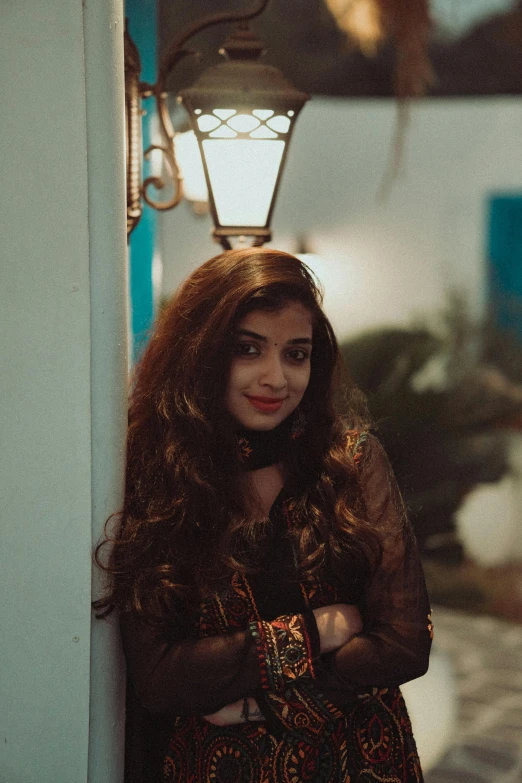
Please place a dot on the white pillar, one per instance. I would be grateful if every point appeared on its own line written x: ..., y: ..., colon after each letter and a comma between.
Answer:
x: 63, y: 365
x: 105, y: 89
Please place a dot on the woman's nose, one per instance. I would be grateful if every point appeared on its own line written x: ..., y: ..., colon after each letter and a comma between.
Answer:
x: 273, y: 373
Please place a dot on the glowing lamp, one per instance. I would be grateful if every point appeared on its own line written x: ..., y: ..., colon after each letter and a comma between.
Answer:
x: 243, y: 113
x: 189, y: 160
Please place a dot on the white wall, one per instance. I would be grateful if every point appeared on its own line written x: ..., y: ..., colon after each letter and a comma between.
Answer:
x: 382, y: 261
x: 63, y: 367
x: 388, y: 262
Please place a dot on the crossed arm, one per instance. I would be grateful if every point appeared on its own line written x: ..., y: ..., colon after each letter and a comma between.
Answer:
x: 336, y: 624
x: 203, y: 677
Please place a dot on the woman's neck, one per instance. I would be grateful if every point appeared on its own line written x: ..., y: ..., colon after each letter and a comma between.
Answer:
x: 262, y: 488
x: 261, y: 448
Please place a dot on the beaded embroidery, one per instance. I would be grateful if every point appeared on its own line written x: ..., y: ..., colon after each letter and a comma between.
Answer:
x: 305, y: 738
x: 284, y: 651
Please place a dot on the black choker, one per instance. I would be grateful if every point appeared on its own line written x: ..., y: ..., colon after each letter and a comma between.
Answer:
x: 261, y: 448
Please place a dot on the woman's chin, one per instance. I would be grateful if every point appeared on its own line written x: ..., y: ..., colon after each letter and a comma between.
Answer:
x: 261, y: 425
x: 263, y: 422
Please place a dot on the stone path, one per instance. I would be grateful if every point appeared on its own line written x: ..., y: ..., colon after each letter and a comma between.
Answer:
x: 487, y: 657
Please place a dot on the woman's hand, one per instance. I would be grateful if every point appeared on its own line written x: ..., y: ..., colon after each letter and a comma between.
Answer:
x: 336, y: 625
x: 234, y: 713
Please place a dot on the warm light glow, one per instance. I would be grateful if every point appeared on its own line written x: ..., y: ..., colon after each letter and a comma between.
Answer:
x: 207, y: 123
x: 360, y: 19
x: 224, y: 114
x: 263, y: 114
x: 260, y: 124
x: 279, y: 124
x: 155, y: 156
x: 251, y: 167
x: 263, y: 133
x: 223, y: 132
x: 157, y: 275
x: 243, y: 123
x: 191, y: 167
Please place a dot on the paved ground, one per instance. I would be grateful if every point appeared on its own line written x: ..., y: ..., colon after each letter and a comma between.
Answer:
x: 487, y: 656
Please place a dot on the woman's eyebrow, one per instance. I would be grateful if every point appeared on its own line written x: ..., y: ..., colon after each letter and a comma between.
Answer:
x: 255, y: 336
x: 247, y: 333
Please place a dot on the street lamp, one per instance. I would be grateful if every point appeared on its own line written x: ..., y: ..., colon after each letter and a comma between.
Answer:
x: 242, y: 112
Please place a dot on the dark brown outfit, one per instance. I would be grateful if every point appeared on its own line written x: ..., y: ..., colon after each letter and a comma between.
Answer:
x: 337, y: 718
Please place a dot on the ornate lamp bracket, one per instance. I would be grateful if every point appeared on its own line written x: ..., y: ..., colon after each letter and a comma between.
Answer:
x: 136, y: 91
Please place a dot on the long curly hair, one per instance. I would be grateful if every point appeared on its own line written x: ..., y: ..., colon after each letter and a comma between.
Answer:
x: 185, y: 524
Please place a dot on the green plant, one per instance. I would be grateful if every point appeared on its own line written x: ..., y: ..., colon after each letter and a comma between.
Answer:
x: 440, y: 403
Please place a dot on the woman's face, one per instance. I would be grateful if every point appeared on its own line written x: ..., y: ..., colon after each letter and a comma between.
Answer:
x: 270, y: 366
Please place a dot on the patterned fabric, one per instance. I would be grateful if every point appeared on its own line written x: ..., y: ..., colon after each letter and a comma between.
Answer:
x: 284, y: 650
x: 319, y: 727
x: 372, y: 744
x: 305, y: 738
x: 301, y: 712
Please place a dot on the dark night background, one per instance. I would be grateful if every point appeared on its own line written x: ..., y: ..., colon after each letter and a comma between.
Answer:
x: 302, y: 38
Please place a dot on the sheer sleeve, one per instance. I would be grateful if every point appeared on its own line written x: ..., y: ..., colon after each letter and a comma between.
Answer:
x: 199, y: 676
x: 395, y: 643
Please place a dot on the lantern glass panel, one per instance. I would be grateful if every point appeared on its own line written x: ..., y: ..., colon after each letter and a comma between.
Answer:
x: 244, y: 123
x: 263, y: 133
x: 280, y: 124
x: 206, y: 122
x: 224, y: 114
x: 253, y: 166
x: 262, y: 114
x: 223, y: 132
x: 191, y: 166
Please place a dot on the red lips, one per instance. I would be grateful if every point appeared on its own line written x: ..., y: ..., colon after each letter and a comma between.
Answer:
x: 266, y: 404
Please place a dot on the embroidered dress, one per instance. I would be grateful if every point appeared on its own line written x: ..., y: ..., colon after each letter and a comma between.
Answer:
x: 336, y: 718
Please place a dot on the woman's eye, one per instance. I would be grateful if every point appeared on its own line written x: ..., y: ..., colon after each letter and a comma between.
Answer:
x: 299, y: 355
x: 246, y: 349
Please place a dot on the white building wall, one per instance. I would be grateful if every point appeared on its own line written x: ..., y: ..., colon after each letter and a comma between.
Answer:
x: 384, y: 261
x: 387, y: 262
x: 63, y: 377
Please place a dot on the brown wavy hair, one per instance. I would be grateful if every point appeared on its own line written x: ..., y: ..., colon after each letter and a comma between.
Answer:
x: 185, y: 523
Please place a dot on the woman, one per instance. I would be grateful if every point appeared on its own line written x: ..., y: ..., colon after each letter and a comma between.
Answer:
x: 270, y: 593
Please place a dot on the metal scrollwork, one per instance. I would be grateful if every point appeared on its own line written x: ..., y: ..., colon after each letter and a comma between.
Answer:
x: 133, y: 137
